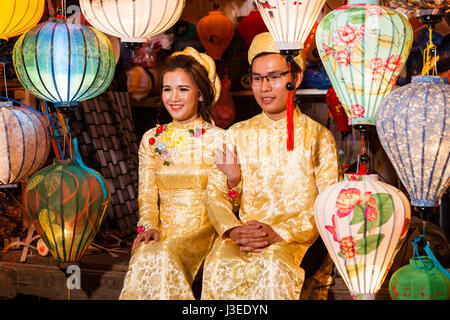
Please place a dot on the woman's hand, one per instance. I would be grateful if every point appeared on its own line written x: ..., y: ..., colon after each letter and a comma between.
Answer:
x: 148, y: 235
x: 228, y: 162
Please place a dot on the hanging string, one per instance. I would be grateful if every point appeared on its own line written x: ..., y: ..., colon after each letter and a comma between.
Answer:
x: 290, y: 114
x: 362, y: 168
x: 430, y: 57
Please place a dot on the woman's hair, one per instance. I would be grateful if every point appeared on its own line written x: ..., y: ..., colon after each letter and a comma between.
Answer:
x: 200, y: 77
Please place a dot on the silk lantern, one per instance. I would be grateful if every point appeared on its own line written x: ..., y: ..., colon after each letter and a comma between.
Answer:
x: 224, y: 111
x: 442, y: 5
x: 215, y: 31
x: 289, y: 21
x: 132, y: 20
x: 18, y: 16
x: 66, y: 203
x: 413, y: 124
x: 423, y: 279
x: 363, y: 47
x: 363, y: 223
x: 64, y: 63
x: 250, y: 26
x: 337, y: 110
x: 139, y: 83
x: 24, y: 143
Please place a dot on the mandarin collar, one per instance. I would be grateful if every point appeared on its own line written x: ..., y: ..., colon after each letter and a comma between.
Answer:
x: 191, y: 125
x: 278, y: 124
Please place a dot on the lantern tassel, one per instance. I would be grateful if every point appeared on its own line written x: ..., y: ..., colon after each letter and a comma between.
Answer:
x: 430, y: 57
x: 290, y: 115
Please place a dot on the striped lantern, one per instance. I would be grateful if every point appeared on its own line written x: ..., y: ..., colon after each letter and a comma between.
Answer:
x: 289, y: 21
x: 24, y: 143
x: 413, y: 124
x: 363, y: 223
x: 132, y: 20
x: 18, y: 16
x: 64, y: 63
x: 67, y: 202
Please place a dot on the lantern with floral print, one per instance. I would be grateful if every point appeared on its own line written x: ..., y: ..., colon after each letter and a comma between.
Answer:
x: 363, y: 223
x: 363, y: 47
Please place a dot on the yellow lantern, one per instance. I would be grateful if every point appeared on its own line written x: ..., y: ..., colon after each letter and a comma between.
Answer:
x: 132, y: 20
x: 18, y: 16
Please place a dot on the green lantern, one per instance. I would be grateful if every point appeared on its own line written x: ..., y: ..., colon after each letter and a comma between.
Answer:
x: 423, y: 279
x: 67, y: 202
x: 363, y: 47
x: 64, y: 63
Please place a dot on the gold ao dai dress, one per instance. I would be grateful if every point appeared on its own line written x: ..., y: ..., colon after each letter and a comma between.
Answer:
x: 278, y: 188
x: 166, y: 269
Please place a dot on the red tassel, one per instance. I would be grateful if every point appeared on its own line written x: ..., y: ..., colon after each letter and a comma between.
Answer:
x: 362, y: 169
x: 290, y: 121
x: 290, y: 115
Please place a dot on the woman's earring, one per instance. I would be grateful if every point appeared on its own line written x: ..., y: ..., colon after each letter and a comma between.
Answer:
x: 200, y: 99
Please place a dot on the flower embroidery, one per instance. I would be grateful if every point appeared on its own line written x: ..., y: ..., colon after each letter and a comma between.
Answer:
x: 347, y: 36
x: 357, y: 110
x: 169, y: 140
x: 233, y: 194
x: 197, y: 132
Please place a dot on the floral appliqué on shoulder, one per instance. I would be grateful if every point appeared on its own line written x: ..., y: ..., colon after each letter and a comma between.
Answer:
x: 168, y: 141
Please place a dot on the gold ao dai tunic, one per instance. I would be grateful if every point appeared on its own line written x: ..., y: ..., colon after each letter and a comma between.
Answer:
x: 166, y: 269
x: 278, y: 188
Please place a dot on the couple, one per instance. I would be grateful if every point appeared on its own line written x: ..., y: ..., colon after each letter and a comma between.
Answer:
x: 188, y: 195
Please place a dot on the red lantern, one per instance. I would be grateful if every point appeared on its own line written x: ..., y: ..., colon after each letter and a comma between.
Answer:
x: 215, y: 32
x: 250, y: 26
x: 337, y: 110
x: 224, y: 111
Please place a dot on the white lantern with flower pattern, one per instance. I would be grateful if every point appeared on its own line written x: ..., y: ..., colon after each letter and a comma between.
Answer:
x: 363, y: 223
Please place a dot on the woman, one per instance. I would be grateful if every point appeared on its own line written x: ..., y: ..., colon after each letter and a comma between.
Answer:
x: 174, y: 232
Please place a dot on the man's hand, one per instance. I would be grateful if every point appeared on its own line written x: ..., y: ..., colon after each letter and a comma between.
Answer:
x: 227, y: 161
x: 146, y: 236
x: 254, y: 237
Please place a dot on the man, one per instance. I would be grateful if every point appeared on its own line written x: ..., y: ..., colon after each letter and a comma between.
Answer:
x: 258, y: 254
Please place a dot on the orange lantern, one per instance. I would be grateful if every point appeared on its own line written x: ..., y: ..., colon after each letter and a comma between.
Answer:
x: 215, y: 32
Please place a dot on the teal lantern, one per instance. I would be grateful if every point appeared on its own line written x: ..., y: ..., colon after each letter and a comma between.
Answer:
x: 363, y: 47
x: 423, y: 279
x: 67, y: 203
x: 64, y: 63
x: 413, y: 124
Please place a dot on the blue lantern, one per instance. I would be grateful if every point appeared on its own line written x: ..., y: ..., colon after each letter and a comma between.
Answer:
x: 413, y: 124
x: 64, y: 63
